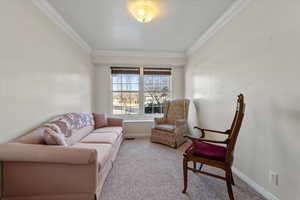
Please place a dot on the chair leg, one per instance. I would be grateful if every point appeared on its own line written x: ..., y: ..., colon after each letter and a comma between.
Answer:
x: 229, y: 184
x: 201, y: 166
x: 232, y: 180
x: 175, y: 146
x: 185, y: 173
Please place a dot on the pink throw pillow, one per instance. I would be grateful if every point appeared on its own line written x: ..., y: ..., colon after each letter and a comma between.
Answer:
x: 52, y: 137
x: 100, y: 120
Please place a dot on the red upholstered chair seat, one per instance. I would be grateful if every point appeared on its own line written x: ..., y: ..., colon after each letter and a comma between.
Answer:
x: 210, y: 151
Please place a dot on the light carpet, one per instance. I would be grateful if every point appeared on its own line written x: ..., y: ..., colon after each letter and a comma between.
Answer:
x: 147, y: 171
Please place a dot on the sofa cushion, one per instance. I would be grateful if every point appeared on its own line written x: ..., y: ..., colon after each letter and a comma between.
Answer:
x: 115, y: 129
x: 103, y: 151
x: 100, y: 120
x: 165, y: 127
x: 110, y: 138
x: 78, y: 134
x: 113, y: 121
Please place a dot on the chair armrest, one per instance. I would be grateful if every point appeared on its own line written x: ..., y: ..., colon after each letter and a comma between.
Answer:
x: 113, y: 121
x: 17, y: 152
x: 203, y: 130
x: 195, y: 139
x: 159, y: 120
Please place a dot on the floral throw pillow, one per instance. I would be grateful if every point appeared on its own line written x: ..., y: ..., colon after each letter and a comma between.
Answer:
x: 52, y: 137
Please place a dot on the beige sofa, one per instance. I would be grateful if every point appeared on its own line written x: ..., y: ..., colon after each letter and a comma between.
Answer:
x: 32, y: 170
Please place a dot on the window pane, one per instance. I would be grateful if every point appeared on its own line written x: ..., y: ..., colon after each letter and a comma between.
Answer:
x: 125, y: 89
x: 117, y: 87
x: 130, y: 78
x: 117, y: 78
x: 157, y: 109
x: 125, y: 102
x: 117, y: 103
x: 157, y: 90
x: 130, y: 87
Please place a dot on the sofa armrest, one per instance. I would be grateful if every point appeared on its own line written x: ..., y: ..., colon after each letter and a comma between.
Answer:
x: 17, y: 152
x: 113, y: 121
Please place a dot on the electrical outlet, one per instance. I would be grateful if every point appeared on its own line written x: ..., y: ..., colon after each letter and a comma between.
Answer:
x: 273, y: 178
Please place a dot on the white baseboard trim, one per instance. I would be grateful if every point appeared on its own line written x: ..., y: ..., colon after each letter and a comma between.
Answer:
x: 139, y: 121
x: 268, y: 195
x: 136, y: 135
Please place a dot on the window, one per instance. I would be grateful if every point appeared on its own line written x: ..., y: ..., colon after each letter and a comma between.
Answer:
x: 125, y: 88
x: 138, y: 91
x: 156, y: 89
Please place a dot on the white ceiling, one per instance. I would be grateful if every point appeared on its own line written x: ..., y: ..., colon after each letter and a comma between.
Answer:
x: 108, y: 25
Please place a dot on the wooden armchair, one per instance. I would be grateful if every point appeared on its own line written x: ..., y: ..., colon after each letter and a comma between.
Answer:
x: 204, y: 152
x: 172, y: 127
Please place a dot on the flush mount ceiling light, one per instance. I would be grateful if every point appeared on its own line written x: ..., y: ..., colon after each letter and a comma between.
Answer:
x: 144, y: 11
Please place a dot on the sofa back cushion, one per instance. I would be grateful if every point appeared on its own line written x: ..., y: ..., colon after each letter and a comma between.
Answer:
x: 74, y: 126
x: 79, y: 134
x: 100, y: 120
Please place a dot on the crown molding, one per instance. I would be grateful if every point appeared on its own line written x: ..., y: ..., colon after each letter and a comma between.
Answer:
x: 153, y: 58
x: 157, y: 54
x: 138, y: 61
x: 229, y: 14
x: 53, y: 14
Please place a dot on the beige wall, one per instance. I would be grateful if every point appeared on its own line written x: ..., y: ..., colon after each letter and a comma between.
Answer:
x: 258, y: 53
x: 42, y: 71
x: 103, y: 93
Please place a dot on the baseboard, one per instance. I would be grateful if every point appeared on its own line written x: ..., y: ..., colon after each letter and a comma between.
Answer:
x: 268, y: 195
x: 137, y: 135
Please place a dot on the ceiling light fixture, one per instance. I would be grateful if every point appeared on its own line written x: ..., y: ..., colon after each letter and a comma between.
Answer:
x: 144, y: 11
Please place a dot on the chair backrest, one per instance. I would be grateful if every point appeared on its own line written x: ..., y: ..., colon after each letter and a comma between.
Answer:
x: 235, y: 128
x: 175, y: 110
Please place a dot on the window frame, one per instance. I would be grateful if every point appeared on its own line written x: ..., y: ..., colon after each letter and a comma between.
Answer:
x: 142, y: 94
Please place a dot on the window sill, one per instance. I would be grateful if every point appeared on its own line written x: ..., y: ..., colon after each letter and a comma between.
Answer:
x: 139, y: 117
x: 139, y: 121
